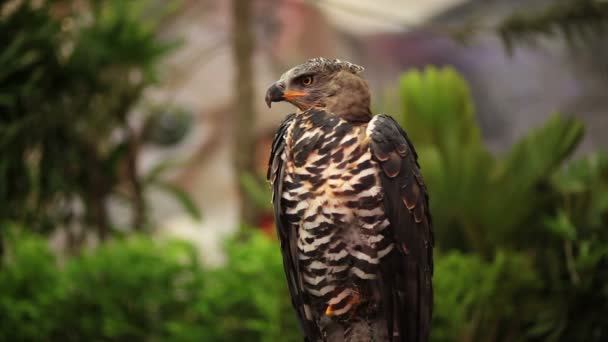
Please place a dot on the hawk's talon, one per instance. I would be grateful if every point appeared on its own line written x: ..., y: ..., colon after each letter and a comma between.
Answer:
x: 353, y: 300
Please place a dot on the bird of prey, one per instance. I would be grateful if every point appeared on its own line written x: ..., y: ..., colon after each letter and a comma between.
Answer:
x: 351, y: 210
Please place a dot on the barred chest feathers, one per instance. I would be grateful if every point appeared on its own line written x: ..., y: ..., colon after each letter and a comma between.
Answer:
x: 332, y: 194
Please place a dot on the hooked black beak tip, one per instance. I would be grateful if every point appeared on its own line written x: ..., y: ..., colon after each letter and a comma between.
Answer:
x: 274, y: 94
x: 268, y: 100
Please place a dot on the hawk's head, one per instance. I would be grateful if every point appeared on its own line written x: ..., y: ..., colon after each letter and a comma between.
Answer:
x: 331, y: 84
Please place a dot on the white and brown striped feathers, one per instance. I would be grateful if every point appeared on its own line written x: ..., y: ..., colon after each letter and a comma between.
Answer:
x: 349, y: 268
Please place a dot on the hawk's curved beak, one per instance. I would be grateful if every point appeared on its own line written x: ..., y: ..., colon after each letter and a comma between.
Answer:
x: 274, y: 94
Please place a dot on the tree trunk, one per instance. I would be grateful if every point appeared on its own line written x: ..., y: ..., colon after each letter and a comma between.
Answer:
x: 139, y: 207
x: 243, y: 41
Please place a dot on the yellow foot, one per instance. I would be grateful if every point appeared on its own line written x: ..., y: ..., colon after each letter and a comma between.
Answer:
x: 353, y: 301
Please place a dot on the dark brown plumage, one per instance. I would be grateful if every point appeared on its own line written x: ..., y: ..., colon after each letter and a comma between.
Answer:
x: 351, y: 210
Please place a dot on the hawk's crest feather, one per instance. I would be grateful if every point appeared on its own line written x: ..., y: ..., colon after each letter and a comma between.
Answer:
x: 324, y: 65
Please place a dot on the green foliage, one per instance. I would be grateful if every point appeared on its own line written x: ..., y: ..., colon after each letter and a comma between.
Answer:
x: 154, y: 179
x: 131, y: 289
x: 575, y: 20
x: 249, y: 294
x: 525, y: 242
x: 31, y: 290
x: 583, y: 193
x: 257, y: 190
x: 138, y: 289
x: 69, y: 82
x: 576, y: 266
x: 470, y: 187
x: 476, y: 300
x: 142, y: 289
x: 581, y: 23
x: 438, y: 100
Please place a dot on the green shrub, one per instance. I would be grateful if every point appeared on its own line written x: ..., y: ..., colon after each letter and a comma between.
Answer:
x: 525, y: 242
x: 477, y: 300
x: 69, y: 84
x: 249, y: 296
x: 479, y: 202
x: 138, y: 289
x: 132, y: 289
x: 574, y: 259
x: 31, y: 290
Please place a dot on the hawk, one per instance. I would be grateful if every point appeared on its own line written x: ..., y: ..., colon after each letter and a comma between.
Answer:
x: 351, y: 210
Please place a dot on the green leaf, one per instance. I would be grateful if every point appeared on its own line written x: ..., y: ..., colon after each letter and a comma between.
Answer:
x: 517, y: 180
x: 155, y: 174
x: 182, y: 197
x: 438, y: 108
x: 258, y: 191
x: 115, y: 156
x: 542, y: 150
x: 561, y: 226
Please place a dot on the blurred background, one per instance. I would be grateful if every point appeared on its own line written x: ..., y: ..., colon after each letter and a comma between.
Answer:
x: 134, y: 141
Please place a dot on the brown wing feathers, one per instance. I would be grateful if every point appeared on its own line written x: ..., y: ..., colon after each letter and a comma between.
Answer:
x: 407, y: 273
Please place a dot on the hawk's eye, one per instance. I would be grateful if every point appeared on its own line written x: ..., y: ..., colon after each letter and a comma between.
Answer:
x: 306, y: 81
